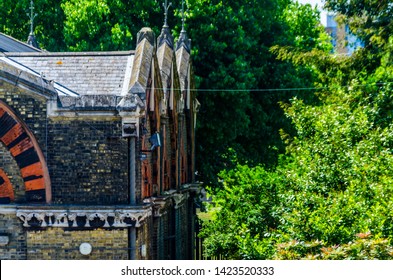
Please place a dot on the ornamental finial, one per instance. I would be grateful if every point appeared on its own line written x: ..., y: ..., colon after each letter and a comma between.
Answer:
x: 166, y: 8
x: 182, y: 15
x: 32, y: 16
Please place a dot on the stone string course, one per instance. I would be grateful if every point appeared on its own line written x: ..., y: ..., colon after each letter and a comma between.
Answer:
x: 83, y: 218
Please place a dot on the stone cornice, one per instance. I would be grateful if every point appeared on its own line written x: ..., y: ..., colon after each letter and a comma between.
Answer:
x: 160, y: 205
x: 92, y: 217
x: 180, y: 198
x: 172, y: 198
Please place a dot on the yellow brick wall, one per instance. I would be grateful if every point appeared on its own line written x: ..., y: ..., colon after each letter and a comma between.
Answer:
x: 11, y: 227
x: 60, y: 244
x: 144, y: 239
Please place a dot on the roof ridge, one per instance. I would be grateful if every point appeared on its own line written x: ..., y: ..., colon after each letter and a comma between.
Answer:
x: 71, y: 54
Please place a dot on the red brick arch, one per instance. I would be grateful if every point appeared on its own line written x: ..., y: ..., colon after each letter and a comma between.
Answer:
x: 23, y: 146
x: 6, y: 191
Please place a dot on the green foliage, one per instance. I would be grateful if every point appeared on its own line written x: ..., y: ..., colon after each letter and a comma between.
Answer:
x: 303, y: 28
x: 364, y: 247
x: 339, y: 170
x: 233, y: 53
x: 82, y: 28
x: 336, y: 178
x: 243, y: 214
x: 368, y: 19
x: 85, y: 25
x: 107, y: 25
x: 48, y: 23
x: 335, y: 181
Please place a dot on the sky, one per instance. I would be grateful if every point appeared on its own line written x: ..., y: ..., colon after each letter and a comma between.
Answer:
x: 319, y: 4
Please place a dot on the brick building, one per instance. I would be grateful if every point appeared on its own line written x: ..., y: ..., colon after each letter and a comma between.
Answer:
x: 97, y: 152
x: 343, y: 41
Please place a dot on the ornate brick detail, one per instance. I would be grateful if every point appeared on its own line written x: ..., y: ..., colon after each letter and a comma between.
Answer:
x: 83, y: 218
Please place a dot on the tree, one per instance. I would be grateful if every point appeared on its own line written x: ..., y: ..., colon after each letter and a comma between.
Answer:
x: 338, y: 172
x: 86, y: 25
x: 48, y: 23
x: 237, y: 59
x: 243, y: 214
x: 333, y: 186
x: 107, y: 25
x: 368, y: 19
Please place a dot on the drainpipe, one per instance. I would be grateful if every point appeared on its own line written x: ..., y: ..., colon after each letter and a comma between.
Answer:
x: 132, y: 183
x: 162, y: 163
x: 179, y: 150
x: 130, y: 131
x: 132, y: 173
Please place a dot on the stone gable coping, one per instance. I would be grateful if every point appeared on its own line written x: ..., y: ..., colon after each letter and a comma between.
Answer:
x: 141, y: 68
x: 183, y: 62
x: 165, y: 58
x: 165, y: 38
x: 183, y: 42
x: 27, y: 80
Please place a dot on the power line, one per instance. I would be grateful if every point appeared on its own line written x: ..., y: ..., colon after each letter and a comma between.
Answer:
x: 278, y: 89
x: 256, y: 90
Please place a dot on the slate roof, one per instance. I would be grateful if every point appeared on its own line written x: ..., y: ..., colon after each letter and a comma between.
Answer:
x: 9, y: 44
x: 7, y: 63
x: 85, y: 73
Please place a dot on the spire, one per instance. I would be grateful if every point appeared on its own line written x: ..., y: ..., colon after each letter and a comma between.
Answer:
x: 31, y: 40
x: 183, y: 38
x: 165, y: 36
